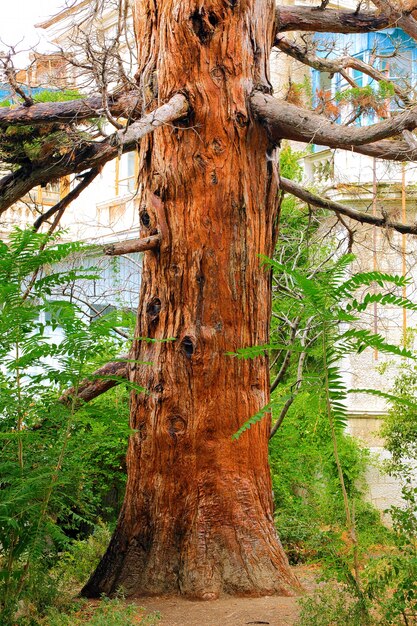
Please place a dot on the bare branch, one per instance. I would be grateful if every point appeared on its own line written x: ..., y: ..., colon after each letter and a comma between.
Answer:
x: 10, y: 73
x: 333, y: 66
x: 336, y: 207
x: 127, y: 105
x: 287, y: 121
x: 410, y: 139
x: 133, y: 245
x: 399, y: 13
x: 297, y: 386
x: 98, y: 383
x: 309, y: 19
x: 60, y: 207
x: 287, y: 358
x: 282, y: 414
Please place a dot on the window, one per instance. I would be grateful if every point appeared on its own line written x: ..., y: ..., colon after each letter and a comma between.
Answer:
x: 116, y: 213
x: 126, y: 174
x: 398, y: 68
x: 111, y: 213
x: 52, y: 192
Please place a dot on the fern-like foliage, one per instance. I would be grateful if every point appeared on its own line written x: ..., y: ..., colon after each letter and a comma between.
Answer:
x: 275, y: 404
x: 329, y: 299
x: 46, y: 447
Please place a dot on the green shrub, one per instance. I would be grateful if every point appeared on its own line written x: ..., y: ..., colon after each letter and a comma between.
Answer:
x: 108, y: 612
x: 79, y: 560
x: 58, y: 459
x: 331, y: 605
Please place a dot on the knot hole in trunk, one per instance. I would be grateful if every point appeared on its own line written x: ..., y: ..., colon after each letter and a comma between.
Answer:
x: 188, y: 347
x: 177, y: 425
x: 153, y: 308
x: 145, y: 218
x: 204, y: 25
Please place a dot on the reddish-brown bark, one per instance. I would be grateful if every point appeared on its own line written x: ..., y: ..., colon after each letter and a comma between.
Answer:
x: 197, y: 517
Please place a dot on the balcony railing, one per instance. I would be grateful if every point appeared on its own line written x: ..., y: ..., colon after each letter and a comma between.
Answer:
x: 334, y: 168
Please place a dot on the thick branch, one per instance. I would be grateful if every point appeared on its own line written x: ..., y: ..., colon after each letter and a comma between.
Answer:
x: 287, y: 121
x: 388, y: 150
x: 99, y: 383
x: 336, y: 207
x: 92, y: 155
x: 70, y: 197
x: 400, y: 14
x: 311, y: 19
x: 284, y: 119
x: 125, y: 105
x: 410, y: 139
x: 330, y: 20
x: 133, y: 245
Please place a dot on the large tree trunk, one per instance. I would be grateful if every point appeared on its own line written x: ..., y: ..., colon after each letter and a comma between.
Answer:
x: 197, y: 517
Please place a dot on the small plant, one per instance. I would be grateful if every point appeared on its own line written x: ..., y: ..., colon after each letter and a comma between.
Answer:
x: 387, y: 580
x: 391, y: 578
x: 368, y: 99
x: 109, y: 612
x: 76, y: 563
x: 330, y: 605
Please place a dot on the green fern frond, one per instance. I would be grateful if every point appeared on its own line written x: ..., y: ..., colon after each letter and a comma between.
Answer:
x: 366, y: 279
x: 385, y: 299
x: 365, y: 339
x: 386, y: 396
x: 252, y: 420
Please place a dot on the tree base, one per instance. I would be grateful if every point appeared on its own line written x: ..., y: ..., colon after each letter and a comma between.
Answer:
x: 228, y: 562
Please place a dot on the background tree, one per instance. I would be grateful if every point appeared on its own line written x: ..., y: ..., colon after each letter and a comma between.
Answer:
x: 197, y: 516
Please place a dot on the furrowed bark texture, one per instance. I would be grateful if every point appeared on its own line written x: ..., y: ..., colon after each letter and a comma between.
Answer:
x: 197, y: 517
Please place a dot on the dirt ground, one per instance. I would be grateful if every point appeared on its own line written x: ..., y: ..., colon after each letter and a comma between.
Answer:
x: 272, y: 610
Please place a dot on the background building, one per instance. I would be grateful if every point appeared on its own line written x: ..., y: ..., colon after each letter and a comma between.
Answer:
x: 374, y: 186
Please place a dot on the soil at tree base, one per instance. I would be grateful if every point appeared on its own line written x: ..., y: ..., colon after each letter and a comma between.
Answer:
x: 232, y: 611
